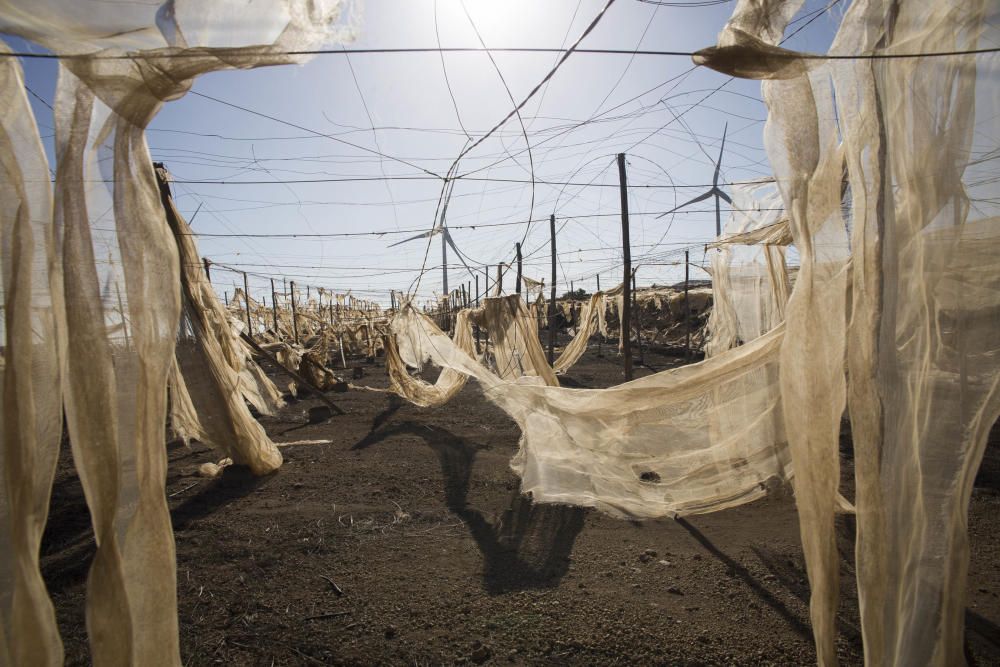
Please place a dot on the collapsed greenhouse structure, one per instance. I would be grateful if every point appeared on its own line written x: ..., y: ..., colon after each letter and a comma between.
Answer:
x: 892, y: 314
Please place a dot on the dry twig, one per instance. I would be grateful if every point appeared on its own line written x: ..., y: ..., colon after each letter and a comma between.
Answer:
x: 336, y: 588
x: 332, y: 614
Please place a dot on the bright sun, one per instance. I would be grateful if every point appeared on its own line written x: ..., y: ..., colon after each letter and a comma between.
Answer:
x: 500, y: 22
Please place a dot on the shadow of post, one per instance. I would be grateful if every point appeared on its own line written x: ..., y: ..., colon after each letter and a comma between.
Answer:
x: 66, y: 564
x: 527, y: 547
x: 984, y: 635
x: 800, y: 627
x: 233, y: 483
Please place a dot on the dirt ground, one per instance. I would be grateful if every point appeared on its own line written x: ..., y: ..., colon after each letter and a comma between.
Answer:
x: 405, y: 541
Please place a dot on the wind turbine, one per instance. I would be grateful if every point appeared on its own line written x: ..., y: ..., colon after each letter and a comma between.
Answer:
x: 440, y: 227
x: 445, y: 239
x: 715, y: 191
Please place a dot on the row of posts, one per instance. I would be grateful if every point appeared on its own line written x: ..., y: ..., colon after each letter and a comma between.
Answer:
x: 462, y: 297
x: 289, y: 289
x: 628, y: 284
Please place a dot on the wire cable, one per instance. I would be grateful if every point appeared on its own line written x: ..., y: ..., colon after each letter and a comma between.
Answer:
x: 791, y: 55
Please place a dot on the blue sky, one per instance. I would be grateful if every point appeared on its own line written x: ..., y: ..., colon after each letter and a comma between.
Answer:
x: 631, y: 104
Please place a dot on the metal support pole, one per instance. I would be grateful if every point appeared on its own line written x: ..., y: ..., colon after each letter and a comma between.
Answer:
x: 246, y: 300
x: 295, y: 318
x: 687, y: 309
x: 475, y: 327
x: 294, y: 373
x: 552, y: 293
x: 599, y: 337
x: 121, y: 314
x: 274, y: 307
x: 638, y: 318
x: 626, y: 314
x: 517, y: 286
x: 444, y: 261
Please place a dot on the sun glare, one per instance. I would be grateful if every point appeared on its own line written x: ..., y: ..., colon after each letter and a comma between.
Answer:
x: 499, y: 23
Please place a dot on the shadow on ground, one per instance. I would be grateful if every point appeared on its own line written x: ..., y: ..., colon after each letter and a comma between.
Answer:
x: 527, y: 546
x: 737, y: 570
x: 234, y: 483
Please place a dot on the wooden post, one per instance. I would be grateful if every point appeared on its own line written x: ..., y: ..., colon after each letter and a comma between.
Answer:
x: 626, y: 314
x: 687, y: 309
x: 208, y: 271
x: 499, y: 284
x: 638, y: 318
x: 274, y: 307
x: 294, y: 373
x: 444, y: 257
x: 225, y: 295
x: 517, y: 286
x: 452, y: 306
x: 295, y: 318
x: 121, y: 314
x: 246, y: 300
x: 572, y: 289
x: 552, y: 300
x: 307, y: 295
x: 475, y: 327
x: 368, y: 335
x: 599, y: 337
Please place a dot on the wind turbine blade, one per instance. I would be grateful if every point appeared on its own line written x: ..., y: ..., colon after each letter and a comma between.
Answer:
x: 697, y: 199
x: 451, y: 242
x: 425, y: 235
x: 191, y: 221
x: 718, y: 165
x: 723, y: 195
